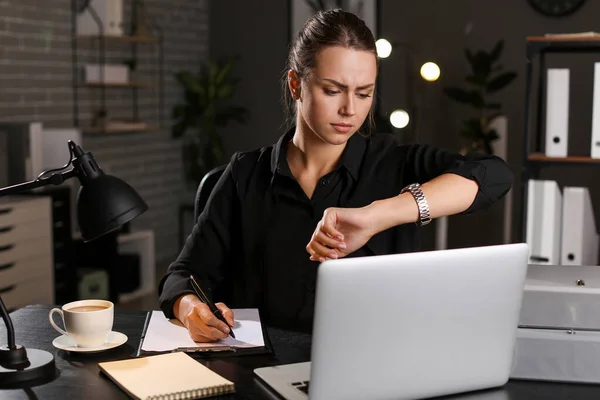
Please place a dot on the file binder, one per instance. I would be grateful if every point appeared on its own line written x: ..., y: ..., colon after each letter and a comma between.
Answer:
x: 595, y: 145
x: 579, y: 233
x: 544, y: 221
x: 557, y: 112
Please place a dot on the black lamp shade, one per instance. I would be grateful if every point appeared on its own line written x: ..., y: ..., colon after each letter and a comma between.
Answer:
x: 104, y: 204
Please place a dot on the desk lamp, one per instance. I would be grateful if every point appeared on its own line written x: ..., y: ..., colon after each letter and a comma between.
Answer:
x: 104, y: 203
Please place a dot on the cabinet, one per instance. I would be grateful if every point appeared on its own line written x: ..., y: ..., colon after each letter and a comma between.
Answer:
x: 533, y: 157
x: 26, y: 261
x: 103, y: 70
x: 65, y: 278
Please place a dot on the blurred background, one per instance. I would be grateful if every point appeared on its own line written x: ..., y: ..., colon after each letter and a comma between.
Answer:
x: 130, y: 81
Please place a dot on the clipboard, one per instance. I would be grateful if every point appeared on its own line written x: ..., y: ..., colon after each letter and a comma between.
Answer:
x: 209, y: 352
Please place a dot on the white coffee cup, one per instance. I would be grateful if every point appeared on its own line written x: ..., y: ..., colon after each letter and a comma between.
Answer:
x: 87, y: 322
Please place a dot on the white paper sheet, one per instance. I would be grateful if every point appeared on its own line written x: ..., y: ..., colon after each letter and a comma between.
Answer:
x: 165, y: 335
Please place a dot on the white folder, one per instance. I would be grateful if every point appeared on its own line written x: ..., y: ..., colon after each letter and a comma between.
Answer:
x: 557, y: 112
x: 544, y: 210
x: 579, y: 233
x: 595, y: 145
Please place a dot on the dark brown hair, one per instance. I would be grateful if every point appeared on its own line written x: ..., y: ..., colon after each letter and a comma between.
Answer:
x: 325, y: 28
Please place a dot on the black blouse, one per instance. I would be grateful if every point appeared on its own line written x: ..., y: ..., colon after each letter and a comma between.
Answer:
x: 248, y: 247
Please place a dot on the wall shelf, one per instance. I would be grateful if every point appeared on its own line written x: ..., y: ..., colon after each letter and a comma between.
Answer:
x: 124, y: 38
x: 542, y: 158
x: 115, y: 85
x: 100, y: 130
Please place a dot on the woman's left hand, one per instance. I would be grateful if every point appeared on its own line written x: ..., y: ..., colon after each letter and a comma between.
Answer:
x: 340, y: 232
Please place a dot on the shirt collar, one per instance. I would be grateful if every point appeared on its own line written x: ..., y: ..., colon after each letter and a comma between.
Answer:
x: 352, y: 156
x: 279, y: 163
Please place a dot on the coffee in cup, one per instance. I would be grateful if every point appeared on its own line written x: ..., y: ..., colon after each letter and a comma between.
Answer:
x: 87, y: 322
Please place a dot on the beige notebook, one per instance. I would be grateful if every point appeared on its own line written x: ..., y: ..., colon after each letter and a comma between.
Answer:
x: 166, y: 376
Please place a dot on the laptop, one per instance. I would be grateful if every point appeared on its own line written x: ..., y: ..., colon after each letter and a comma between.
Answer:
x: 410, y: 326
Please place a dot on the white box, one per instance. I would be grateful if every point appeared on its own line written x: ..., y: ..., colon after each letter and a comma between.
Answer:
x: 553, y: 297
x: 559, y: 327
x: 557, y: 355
x: 110, y: 14
x: 112, y: 73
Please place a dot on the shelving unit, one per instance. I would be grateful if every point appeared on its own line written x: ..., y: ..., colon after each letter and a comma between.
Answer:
x: 109, y: 130
x: 115, y: 84
x: 100, y: 123
x: 534, y: 158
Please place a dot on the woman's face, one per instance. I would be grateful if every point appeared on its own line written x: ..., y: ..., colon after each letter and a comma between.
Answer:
x: 336, y: 97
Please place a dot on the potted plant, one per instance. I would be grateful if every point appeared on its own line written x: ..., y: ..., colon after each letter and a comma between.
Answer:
x: 205, y: 109
x: 486, y: 77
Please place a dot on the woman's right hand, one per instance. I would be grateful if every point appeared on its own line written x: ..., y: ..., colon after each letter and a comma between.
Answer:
x: 200, y: 322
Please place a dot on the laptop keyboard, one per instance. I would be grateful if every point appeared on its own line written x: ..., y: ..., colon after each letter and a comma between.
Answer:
x: 302, y: 386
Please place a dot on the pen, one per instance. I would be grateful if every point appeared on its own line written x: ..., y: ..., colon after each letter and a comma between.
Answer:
x: 210, y: 304
x: 203, y: 349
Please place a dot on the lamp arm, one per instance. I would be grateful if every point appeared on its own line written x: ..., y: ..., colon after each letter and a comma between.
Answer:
x: 55, y: 179
x: 9, y: 326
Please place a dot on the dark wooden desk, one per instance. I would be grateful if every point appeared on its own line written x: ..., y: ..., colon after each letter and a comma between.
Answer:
x: 79, y: 377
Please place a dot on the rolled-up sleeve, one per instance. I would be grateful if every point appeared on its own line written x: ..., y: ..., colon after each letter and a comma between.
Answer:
x: 205, y: 254
x: 422, y: 163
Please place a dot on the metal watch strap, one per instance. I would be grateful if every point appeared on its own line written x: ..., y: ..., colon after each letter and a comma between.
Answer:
x: 417, y: 193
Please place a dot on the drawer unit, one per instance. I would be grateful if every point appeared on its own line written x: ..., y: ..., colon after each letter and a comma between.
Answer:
x: 65, y: 277
x: 26, y: 261
x: 36, y: 291
x: 22, y: 233
x: 19, y: 209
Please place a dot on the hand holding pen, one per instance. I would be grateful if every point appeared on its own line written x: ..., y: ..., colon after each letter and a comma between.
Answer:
x: 213, y: 308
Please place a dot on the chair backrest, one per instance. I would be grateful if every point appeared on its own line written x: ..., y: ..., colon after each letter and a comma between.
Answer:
x: 205, y: 188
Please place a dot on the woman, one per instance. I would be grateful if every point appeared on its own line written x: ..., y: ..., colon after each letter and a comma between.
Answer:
x: 321, y: 192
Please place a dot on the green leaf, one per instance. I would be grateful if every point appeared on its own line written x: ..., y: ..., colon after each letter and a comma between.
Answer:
x: 500, y: 82
x: 482, y: 65
x: 224, y: 71
x: 213, y: 70
x: 178, y: 111
x: 189, y: 81
x: 225, y: 91
x: 497, y: 51
x: 463, y: 96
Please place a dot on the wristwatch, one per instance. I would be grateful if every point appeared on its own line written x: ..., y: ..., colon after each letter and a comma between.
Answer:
x: 415, y: 190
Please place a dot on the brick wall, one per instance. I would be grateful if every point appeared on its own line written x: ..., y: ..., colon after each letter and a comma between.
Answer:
x: 36, y: 85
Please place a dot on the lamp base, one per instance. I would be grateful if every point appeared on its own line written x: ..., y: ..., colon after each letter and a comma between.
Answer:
x: 41, y: 366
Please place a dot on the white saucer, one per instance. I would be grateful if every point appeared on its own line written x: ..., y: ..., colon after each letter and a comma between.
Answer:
x: 115, y: 339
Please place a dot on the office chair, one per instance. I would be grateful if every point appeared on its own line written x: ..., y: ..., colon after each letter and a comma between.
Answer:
x: 205, y: 188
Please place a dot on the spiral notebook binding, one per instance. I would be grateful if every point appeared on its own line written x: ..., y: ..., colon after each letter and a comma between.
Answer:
x: 196, y: 393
